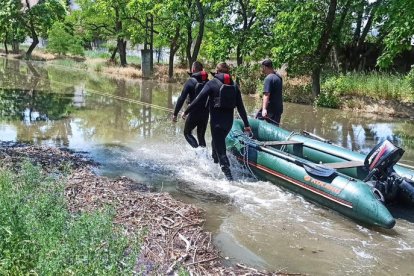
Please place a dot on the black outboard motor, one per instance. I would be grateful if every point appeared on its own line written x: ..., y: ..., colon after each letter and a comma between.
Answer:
x: 386, y: 183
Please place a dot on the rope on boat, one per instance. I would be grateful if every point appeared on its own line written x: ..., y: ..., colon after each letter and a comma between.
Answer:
x: 283, y: 147
x: 245, y: 154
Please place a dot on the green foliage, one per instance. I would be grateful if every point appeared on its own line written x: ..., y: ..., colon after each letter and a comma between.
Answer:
x: 297, y: 31
x: 62, y: 42
x: 328, y: 99
x: 248, y: 77
x: 398, y: 29
x: 39, y: 236
x: 297, y: 93
x: 240, y: 30
x: 410, y: 78
x: 375, y: 85
x: 12, y: 27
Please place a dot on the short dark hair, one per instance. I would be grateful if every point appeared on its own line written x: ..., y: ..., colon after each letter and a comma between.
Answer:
x: 268, y: 63
x: 197, y: 66
x: 223, y: 67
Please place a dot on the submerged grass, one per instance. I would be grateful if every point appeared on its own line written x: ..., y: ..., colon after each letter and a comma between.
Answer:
x: 39, y: 236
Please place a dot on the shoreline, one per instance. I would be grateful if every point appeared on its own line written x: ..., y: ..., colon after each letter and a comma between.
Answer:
x: 174, y: 236
x: 359, y: 104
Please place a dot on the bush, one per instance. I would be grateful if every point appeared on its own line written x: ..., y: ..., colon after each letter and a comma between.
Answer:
x: 39, y: 236
x: 328, y: 99
x: 248, y: 77
x: 410, y: 78
x: 62, y: 42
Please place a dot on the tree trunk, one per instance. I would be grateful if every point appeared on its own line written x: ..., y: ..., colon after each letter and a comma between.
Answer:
x: 239, y: 56
x: 335, y: 59
x: 5, y: 47
x: 33, y: 33
x: 174, y: 46
x: 159, y: 51
x: 188, y: 46
x: 32, y: 46
x: 200, y: 35
x: 171, y: 64
x: 112, y: 59
x: 324, y: 47
x: 122, y: 51
x: 316, y: 81
x: 151, y: 43
x: 191, y: 57
x: 15, y: 47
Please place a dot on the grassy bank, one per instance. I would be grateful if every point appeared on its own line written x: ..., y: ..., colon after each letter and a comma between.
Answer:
x: 376, y: 86
x: 38, y: 235
x: 352, y: 90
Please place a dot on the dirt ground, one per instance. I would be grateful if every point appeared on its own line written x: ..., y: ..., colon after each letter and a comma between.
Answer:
x: 174, y: 236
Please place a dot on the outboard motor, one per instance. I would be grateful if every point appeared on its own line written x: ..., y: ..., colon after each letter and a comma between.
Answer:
x: 386, y: 183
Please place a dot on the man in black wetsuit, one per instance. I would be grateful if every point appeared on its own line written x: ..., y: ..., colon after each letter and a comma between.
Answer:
x: 272, y: 107
x: 199, y: 117
x: 223, y: 96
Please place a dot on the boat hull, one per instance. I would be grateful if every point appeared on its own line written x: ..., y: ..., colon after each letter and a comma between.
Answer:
x: 342, y: 193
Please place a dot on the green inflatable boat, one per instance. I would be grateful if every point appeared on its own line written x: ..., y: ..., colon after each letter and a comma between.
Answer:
x: 355, y: 185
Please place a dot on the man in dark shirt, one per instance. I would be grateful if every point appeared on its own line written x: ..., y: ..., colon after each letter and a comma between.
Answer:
x: 272, y: 107
x: 199, y: 118
x: 221, y: 106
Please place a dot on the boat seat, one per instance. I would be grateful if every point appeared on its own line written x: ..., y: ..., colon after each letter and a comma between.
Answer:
x: 297, y: 146
x: 279, y: 143
x: 345, y: 164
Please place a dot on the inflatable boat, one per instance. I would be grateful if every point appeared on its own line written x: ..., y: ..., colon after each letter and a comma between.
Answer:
x: 355, y: 185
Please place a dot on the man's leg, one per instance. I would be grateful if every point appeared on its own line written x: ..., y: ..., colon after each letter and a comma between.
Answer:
x: 188, y: 128
x: 219, y: 139
x: 201, y: 130
x: 213, y: 147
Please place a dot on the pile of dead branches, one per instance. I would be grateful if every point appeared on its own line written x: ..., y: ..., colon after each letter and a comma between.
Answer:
x: 172, y: 231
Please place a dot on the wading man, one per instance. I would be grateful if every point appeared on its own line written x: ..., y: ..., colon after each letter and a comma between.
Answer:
x: 198, y: 118
x: 223, y: 96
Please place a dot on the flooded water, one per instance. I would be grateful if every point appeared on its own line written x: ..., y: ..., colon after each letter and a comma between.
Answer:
x: 126, y: 127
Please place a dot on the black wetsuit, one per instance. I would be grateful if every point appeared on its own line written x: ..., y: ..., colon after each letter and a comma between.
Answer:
x: 221, y: 120
x: 199, y: 117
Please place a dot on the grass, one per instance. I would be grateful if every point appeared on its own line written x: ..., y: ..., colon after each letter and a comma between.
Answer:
x: 107, y: 55
x: 379, y: 86
x: 39, y: 236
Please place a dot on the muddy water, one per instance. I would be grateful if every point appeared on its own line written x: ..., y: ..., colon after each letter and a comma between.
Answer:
x: 126, y: 127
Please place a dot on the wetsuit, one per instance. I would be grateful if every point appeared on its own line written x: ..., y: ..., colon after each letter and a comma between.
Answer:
x: 221, y: 120
x: 197, y: 119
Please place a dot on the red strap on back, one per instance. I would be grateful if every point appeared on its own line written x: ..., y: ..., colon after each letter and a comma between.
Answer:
x: 227, y: 79
x: 204, y: 75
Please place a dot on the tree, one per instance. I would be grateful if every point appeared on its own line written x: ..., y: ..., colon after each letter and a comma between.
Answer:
x: 397, y: 29
x: 171, y: 16
x: 107, y: 18
x: 362, y: 20
x: 307, y: 31
x: 239, y: 26
x: 142, y: 12
x: 11, y: 28
x: 40, y: 18
x: 62, y: 42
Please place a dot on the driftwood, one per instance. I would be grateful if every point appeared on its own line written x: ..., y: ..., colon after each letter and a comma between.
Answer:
x: 172, y: 232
